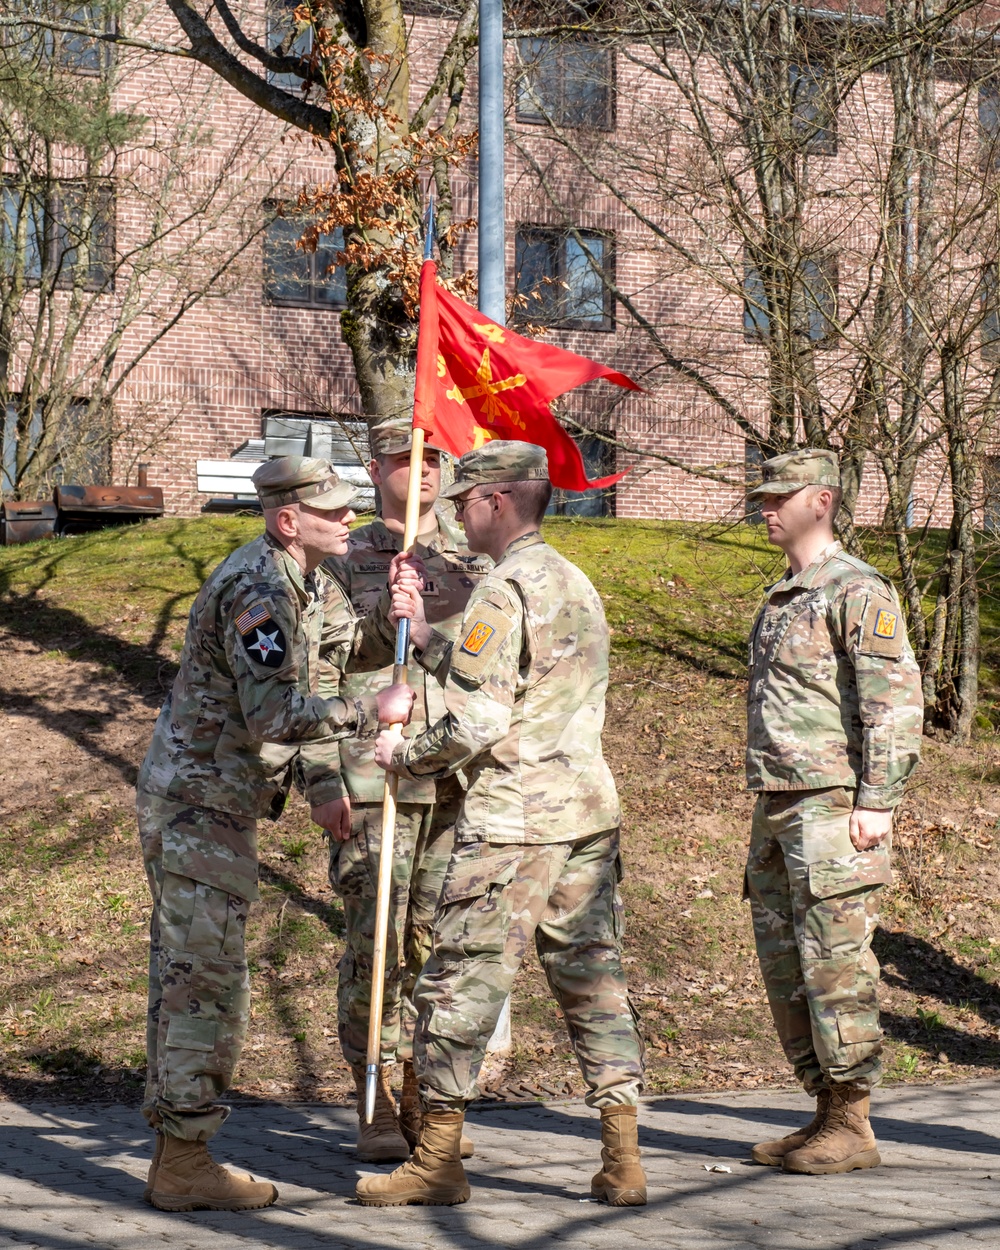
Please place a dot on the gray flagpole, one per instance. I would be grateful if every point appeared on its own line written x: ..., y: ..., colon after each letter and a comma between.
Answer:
x: 492, y: 239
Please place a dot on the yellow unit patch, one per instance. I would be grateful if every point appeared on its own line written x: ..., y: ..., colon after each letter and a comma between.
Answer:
x: 885, y: 624
x: 479, y: 635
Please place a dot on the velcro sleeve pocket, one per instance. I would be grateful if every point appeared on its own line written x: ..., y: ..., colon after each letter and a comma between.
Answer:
x: 187, y: 1034
x: 829, y: 878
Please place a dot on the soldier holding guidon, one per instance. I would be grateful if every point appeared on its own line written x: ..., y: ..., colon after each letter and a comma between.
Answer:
x: 267, y: 640
x: 834, y: 715
x: 427, y: 806
x: 537, y: 852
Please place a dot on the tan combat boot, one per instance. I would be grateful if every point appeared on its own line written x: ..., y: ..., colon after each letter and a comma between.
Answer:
x: 411, y: 1113
x: 434, y: 1177
x: 157, y: 1156
x: 772, y: 1153
x: 381, y: 1141
x: 188, y: 1179
x: 621, y: 1182
x: 845, y: 1141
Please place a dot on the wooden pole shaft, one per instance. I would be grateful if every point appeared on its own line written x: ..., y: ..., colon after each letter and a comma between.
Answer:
x: 387, y: 851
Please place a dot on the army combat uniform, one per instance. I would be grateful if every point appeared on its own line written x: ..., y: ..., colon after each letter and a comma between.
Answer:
x: 427, y: 808
x: 263, y: 641
x: 834, y: 718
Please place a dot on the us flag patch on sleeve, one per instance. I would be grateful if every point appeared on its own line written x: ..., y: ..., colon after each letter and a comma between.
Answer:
x: 253, y: 617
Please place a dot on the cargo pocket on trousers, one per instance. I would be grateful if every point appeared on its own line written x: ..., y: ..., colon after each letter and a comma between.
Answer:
x: 187, y: 1034
x: 860, y: 1026
x: 474, y: 911
x: 841, y: 913
x: 830, y: 878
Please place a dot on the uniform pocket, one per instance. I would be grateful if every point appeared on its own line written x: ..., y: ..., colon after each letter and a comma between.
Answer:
x: 187, y: 1034
x: 860, y: 1026
x: 830, y: 878
x: 352, y: 873
x: 474, y: 912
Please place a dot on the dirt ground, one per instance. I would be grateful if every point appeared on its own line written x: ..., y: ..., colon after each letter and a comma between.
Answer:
x: 76, y: 712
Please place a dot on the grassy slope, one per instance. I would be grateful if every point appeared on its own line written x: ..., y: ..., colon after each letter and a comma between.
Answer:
x: 111, y: 607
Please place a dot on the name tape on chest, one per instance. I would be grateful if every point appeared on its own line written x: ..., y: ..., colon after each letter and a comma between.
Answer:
x: 883, y: 632
x: 263, y: 639
x: 487, y: 628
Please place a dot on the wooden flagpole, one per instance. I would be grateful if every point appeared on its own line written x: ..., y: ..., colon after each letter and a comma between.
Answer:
x: 387, y: 849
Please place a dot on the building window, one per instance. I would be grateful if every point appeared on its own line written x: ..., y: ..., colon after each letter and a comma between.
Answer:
x: 599, y: 461
x: 63, y: 232
x: 569, y: 82
x: 296, y: 278
x: 79, y: 450
x: 990, y: 296
x: 77, y: 53
x: 816, y: 279
x: 287, y: 37
x: 814, y: 113
x: 753, y: 458
x: 560, y: 278
x: 989, y: 121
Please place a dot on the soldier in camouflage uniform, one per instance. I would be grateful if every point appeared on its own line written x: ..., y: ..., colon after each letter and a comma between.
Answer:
x: 426, y: 808
x: 536, y: 854
x: 834, y: 717
x: 267, y: 639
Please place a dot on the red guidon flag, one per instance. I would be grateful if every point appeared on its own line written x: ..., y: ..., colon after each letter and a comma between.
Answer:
x: 477, y: 380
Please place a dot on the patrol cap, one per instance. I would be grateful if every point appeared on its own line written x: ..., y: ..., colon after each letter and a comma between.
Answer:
x: 301, y: 479
x: 390, y: 438
x: 499, y: 460
x: 784, y: 475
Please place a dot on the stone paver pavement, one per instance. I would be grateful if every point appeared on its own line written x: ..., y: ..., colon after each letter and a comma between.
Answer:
x: 72, y: 1177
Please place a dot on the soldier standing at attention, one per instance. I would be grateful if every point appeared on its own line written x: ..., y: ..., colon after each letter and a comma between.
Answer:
x: 427, y: 808
x: 267, y: 632
x: 536, y: 853
x: 834, y: 714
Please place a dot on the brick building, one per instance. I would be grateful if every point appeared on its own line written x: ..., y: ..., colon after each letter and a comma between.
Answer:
x: 592, y: 128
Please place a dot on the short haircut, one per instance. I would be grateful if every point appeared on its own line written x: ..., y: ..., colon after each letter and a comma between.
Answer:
x: 530, y: 499
x: 837, y: 495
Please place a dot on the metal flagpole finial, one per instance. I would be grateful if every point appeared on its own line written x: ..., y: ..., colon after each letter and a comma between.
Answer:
x: 429, y: 228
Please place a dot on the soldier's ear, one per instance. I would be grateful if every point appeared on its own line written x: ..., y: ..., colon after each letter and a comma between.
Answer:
x: 286, y: 523
x: 375, y: 472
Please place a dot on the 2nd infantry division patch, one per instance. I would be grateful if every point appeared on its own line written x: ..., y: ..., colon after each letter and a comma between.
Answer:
x: 263, y: 640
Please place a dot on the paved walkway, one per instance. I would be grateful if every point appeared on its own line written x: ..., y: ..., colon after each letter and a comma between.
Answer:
x: 72, y: 1177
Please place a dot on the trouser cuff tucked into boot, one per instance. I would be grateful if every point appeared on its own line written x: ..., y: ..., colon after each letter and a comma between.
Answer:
x: 772, y: 1153
x: 411, y: 1112
x: 844, y: 1143
x: 189, y: 1179
x: 621, y: 1182
x: 434, y: 1177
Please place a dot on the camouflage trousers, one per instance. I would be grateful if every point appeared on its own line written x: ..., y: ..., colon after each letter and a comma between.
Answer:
x: 425, y: 838
x: 496, y: 898
x: 814, y: 902
x: 199, y: 988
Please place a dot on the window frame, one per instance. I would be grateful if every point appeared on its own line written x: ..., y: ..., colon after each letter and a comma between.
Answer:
x: 293, y: 83
x: 568, y: 502
x: 757, y: 316
x: 284, y: 301
x: 816, y: 136
x: 532, y: 115
x: 558, y: 236
x: 51, y: 246
x: 49, y: 44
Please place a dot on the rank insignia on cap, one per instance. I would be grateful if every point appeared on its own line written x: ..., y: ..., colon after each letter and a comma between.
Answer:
x: 253, y: 617
x: 885, y: 624
x: 479, y: 636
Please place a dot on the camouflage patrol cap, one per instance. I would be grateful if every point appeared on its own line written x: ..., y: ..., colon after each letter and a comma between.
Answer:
x: 499, y: 460
x: 784, y: 475
x: 301, y: 479
x: 391, y: 438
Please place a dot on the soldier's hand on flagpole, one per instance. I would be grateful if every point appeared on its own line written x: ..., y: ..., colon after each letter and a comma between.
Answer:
x: 385, y: 744
x: 395, y: 705
x: 409, y: 569
x: 334, y: 817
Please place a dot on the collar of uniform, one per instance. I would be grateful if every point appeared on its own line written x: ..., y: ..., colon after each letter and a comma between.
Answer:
x: 289, y: 566
x: 447, y: 538
x: 526, y: 540
x: 807, y: 578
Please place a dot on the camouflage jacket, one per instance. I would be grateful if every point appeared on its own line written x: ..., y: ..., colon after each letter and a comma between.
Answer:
x: 452, y: 574
x: 524, y: 697
x: 263, y: 646
x: 835, y: 695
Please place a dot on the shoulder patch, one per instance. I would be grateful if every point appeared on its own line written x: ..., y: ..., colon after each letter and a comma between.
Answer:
x: 263, y: 638
x: 486, y: 629
x: 883, y: 630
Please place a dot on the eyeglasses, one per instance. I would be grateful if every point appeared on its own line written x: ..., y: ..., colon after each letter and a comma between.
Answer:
x: 462, y: 504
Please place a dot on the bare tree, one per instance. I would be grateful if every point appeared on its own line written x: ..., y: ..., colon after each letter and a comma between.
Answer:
x: 112, y: 228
